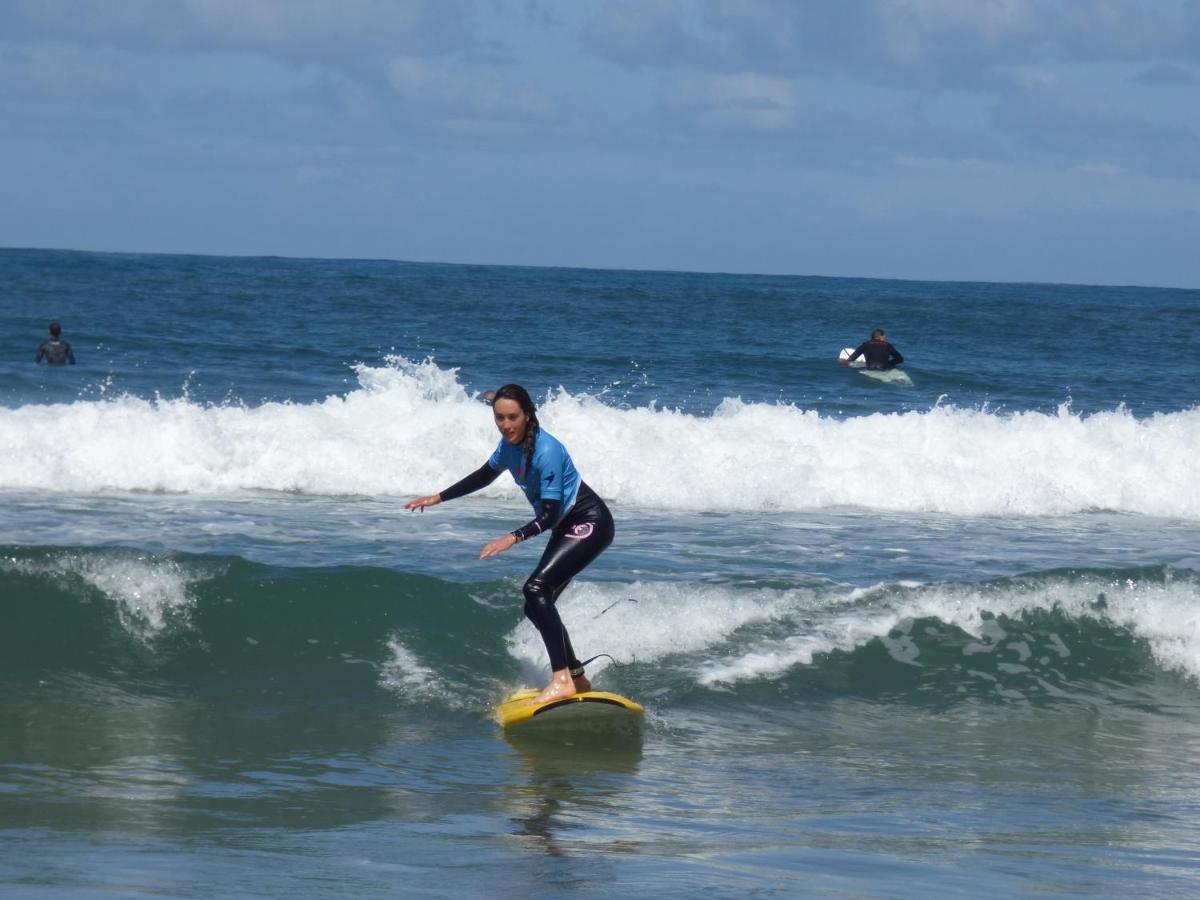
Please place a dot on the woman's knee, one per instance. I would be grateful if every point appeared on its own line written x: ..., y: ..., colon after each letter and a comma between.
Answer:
x: 538, y: 598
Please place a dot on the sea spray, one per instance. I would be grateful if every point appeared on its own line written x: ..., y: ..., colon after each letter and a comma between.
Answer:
x: 149, y: 593
x: 410, y: 427
x: 431, y: 638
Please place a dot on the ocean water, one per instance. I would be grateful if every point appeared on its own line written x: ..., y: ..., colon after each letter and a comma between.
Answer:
x: 938, y: 639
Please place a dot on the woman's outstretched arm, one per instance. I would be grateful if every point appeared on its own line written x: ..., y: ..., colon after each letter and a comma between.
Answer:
x: 480, y: 478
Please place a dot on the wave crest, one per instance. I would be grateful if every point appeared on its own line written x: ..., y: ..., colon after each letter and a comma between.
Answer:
x: 411, y: 427
x: 1045, y: 635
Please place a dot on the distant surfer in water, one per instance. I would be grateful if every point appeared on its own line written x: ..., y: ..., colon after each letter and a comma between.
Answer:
x: 580, y: 525
x: 877, y: 352
x: 54, y: 350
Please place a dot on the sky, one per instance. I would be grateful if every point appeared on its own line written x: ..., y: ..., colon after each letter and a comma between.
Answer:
x: 995, y: 140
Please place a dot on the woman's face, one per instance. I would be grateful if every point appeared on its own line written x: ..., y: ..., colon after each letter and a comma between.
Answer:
x: 510, y: 419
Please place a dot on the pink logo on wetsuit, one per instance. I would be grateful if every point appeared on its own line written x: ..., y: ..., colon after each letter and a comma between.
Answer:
x: 580, y: 531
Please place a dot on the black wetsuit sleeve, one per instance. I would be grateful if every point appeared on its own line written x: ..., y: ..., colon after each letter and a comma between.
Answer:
x: 41, y: 352
x: 480, y: 478
x: 856, y: 354
x: 70, y: 353
x: 895, y: 359
x: 543, y: 521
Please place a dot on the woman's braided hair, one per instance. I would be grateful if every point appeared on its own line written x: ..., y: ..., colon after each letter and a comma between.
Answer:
x: 517, y: 393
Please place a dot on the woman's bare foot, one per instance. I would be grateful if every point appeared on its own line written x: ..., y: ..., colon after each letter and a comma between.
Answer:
x: 560, y: 687
x: 582, y: 685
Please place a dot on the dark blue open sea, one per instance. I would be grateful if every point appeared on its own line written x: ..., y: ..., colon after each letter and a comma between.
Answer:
x: 936, y: 639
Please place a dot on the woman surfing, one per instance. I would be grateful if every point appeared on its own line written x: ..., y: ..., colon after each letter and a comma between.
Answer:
x: 580, y: 525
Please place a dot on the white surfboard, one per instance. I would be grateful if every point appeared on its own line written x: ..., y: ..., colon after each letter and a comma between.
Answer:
x: 846, y: 353
x: 891, y: 376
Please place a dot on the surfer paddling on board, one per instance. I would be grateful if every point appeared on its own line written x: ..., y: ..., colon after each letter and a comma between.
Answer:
x: 877, y: 352
x: 580, y: 525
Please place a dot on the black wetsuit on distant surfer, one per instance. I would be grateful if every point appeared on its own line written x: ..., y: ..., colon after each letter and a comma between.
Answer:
x: 54, y: 350
x: 877, y: 353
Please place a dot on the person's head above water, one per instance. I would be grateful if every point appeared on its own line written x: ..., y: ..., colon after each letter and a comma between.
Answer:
x: 55, y: 329
x: 878, y: 335
x: 516, y: 418
x: 514, y: 413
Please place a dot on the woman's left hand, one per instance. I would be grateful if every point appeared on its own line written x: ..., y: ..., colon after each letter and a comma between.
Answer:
x: 499, y: 545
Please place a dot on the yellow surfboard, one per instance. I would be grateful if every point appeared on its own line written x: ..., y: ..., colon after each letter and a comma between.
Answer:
x: 591, y: 710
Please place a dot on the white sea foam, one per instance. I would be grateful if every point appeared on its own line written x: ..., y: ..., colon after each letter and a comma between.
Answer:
x: 665, y: 619
x: 754, y: 634
x: 405, y: 674
x: 148, y: 592
x: 1166, y: 616
x: 410, y: 428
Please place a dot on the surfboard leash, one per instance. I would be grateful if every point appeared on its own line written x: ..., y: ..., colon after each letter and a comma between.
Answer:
x: 611, y: 605
x: 588, y: 662
x: 616, y: 664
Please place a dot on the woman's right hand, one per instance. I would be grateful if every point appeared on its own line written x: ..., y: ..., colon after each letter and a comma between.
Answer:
x: 422, y: 502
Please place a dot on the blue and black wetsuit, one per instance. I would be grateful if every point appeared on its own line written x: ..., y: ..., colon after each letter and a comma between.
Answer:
x: 580, y: 527
x: 877, y: 355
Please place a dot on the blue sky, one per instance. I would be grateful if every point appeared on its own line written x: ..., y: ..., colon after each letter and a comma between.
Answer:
x: 1006, y: 140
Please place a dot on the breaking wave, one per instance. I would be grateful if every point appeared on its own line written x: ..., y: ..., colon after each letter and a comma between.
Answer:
x: 411, y: 427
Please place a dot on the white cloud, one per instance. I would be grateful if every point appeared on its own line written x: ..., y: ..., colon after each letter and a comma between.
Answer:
x: 922, y: 43
x: 295, y: 29
x: 1100, y: 168
x: 577, y: 111
x: 57, y: 71
x: 1148, y: 30
x: 466, y: 98
x: 1034, y: 77
x: 1075, y: 126
x: 919, y: 40
x: 920, y: 33
x: 740, y: 101
x: 1168, y: 75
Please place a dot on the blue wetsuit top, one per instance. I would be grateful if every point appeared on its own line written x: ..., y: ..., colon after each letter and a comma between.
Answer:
x: 551, y: 475
x: 550, y: 486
